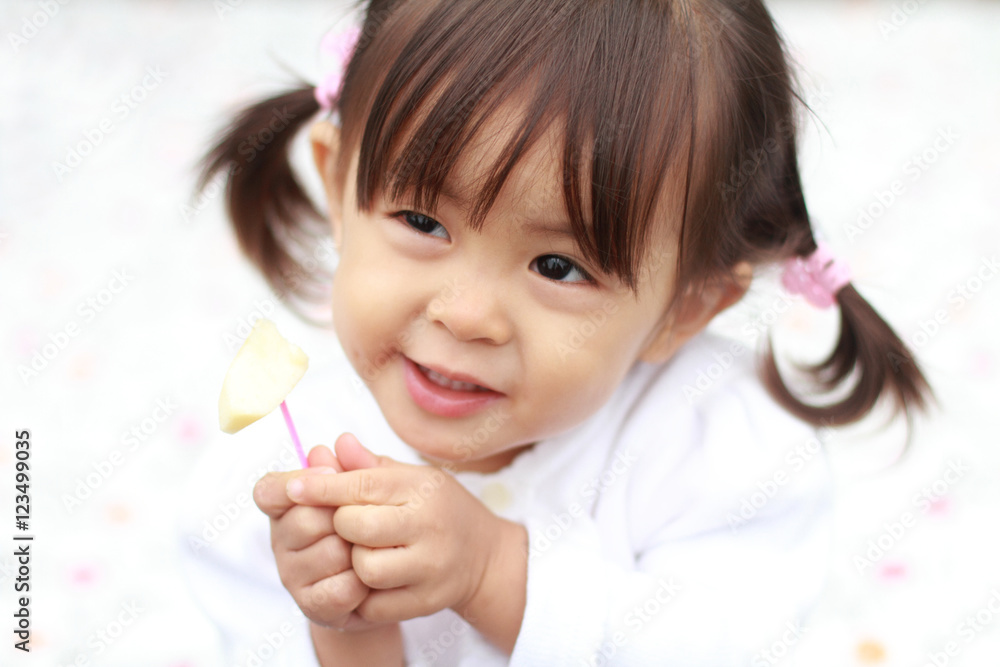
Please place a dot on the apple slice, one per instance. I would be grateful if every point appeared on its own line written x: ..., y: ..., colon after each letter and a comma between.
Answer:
x: 265, y: 369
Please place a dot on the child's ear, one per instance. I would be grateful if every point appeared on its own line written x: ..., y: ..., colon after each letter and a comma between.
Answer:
x: 325, y: 138
x: 694, y: 312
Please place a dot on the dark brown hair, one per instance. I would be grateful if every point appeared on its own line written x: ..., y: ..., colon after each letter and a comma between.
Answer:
x: 686, y: 102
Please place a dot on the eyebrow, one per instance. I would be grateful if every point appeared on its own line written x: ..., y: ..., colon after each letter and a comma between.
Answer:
x: 541, y: 228
x: 448, y: 193
x: 545, y: 228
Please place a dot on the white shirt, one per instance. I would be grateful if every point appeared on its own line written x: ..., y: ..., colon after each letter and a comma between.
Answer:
x: 686, y: 522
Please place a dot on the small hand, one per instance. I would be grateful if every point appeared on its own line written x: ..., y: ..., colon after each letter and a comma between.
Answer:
x: 422, y: 542
x: 314, y: 563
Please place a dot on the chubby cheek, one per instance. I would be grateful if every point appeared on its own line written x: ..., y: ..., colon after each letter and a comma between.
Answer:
x: 361, y: 315
x: 345, y: 314
x: 565, y: 390
x: 344, y: 324
x: 576, y: 375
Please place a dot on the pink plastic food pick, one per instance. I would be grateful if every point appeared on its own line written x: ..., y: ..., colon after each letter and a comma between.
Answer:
x: 294, y: 434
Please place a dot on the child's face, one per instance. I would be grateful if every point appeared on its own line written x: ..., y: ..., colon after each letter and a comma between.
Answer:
x: 495, y: 306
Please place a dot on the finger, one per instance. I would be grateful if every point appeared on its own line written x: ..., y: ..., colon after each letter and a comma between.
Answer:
x: 270, y: 496
x: 384, y: 568
x: 371, y: 486
x: 302, y: 526
x: 326, y: 558
x: 374, y: 525
x: 351, y: 623
x: 332, y: 599
x: 395, y: 605
x: 354, y: 456
x: 270, y: 492
x: 320, y: 456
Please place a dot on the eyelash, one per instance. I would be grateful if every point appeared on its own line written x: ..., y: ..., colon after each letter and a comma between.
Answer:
x: 404, y: 217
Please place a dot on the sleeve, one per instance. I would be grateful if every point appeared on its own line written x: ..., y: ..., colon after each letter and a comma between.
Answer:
x: 223, y: 545
x: 257, y: 622
x: 727, y: 544
x: 224, y: 539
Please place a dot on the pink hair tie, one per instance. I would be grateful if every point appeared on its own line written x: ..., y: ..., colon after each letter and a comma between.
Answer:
x: 341, y: 46
x: 817, y: 277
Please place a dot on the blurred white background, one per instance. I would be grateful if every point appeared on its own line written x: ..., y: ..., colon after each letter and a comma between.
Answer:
x: 122, y: 289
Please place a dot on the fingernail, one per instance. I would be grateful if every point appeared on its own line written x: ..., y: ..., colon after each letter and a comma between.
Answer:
x: 324, y: 470
x: 295, y: 489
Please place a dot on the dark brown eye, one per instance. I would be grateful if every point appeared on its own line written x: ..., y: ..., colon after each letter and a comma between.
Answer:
x: 559, y: 268
x: 423, y: 224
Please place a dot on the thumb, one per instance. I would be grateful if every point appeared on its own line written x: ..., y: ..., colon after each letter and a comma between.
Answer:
x: 354, y: 456
x: 321, y: 456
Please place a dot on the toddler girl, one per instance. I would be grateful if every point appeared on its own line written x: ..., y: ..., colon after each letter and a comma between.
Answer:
x: 538, y: 207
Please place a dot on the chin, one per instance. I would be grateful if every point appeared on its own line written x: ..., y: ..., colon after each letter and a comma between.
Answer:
x: 443, y: 445
x: 435, y: 444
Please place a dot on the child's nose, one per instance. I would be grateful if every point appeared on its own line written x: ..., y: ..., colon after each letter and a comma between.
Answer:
x: 472, y: 308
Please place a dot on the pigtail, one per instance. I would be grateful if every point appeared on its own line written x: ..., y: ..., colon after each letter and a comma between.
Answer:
x: 869, y: 354
x: 274, y: 220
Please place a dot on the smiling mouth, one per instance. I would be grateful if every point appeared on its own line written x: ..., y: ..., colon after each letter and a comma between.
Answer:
x: 440, y: 395
x: 454, y: 385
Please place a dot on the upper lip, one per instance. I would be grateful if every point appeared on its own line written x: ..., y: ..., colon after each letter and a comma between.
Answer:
x: 455, y: 375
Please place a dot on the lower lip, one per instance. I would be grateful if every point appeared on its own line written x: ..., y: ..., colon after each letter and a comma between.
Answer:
x: 441, y: 400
